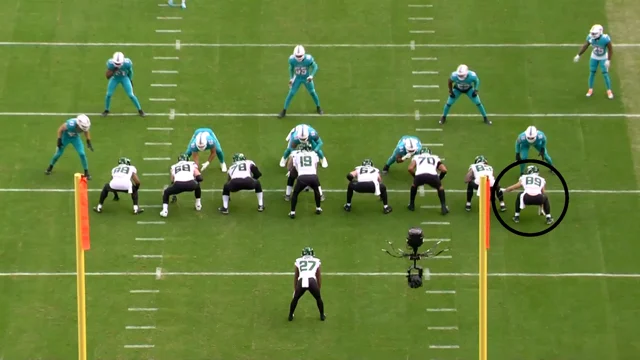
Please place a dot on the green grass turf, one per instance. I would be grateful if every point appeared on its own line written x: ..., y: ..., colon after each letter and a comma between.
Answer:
x: 370, y: 317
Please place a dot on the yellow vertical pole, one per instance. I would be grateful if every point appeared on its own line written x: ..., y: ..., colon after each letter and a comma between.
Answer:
x: 80, y: 272
x: 483, y: 244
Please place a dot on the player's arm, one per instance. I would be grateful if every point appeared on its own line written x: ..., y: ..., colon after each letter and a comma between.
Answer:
x: 476, y: 84
x: 352, y: 175
x: 61, y: 130
x: 442, y: 169
x: 295, y: 278
x: 173, y: 178
x: 543, y: 145
x: 255, y: 172
x: 319, y: 277
x: 110, y: 70
x: 543, y: 190
x: 469, y: 177
x: 130, y: 73
x: 317, y: 143
x: 197, y: 175
x: 87, y: 135
x: 195, y: 157
x: 610, y: 52
x: 584, y: 48
x: 518, y: 148
x: 312, y: 74
x: 291, y: 74
x: 450, y: 85
x: 136, y: 179
x: 212, y: 154
x: 513, y: 187
x: 290, y: 166
x: 412, y: 168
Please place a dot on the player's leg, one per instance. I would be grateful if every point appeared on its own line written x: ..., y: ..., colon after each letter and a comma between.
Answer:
x: 220, y: 155
x: 475, y: 99
x: 500, y: 194
x: 436, y: 183
x: 546, y: 206
x: 470, y: 187
x: 451, y: 99
x: 58, y: 153
x: 297, y: 294
x: 593, y: 68
x: 103, y: 196
x: 111, y: 87
x: 392, y: 159
x: 77, y: 144
x: 518, y: 207
x: 292, y: 91
x: 311, y: 88
x: 197, y: 192
x: 293, y: 174
x: 313, y: 182
x: 297, y: 189
x: 314, y: 289
x: 226, y: 195
x: 385, y: 199
x: 350, y: 191
x: 128, y: 88
x: 171, y: 190
x: 259, y: 195
x: 134, y: 198
x: 607, y: 79
x: 545, y: 154
x: 414, y: 192
x: 524, y: 155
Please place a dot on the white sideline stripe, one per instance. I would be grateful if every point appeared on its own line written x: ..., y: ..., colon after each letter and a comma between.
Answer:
x: 422, y: 32
x: 442, y: 328
x: 327, y: 190
x: 427, y: 101
x: 144, y: 291
x: 164, y: 85
x: 420, y: 18
x: 140, y: 327
x: 166, y: 58
x: 282, y: 45
x: 429, y: 129
x: 425, y: 72
x: 161, y: 100
x: 163, y: 5
x: 434, y: 145
x: 370, y: 274
x: 154, y: 174
x: 151, y: 206
x: 169, y: 18
x: 143, y: 309
x: 443, y: 257
x: 168, y: 31
x: 441, y: 291
x: 442, y: 310
x: 158, y: 144
x: 424, y: 58
x: 437, y: 239
x: 164, y: 71
x: 426, y: 86
x: 149, y: 239
x: 420, y: 6
x: 159, y: 129
x: 430, y: 207
x: 139, y: 346
x: 150, y: 222
x: 156, y: 159
x: 444, y: 347
x: 435, y: 223
x: 372, y: 115
x: 147, y: 256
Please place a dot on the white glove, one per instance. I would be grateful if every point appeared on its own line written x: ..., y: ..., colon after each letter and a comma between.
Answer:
x: 406, y: 156
x: 502, y: 189
x: 607, y: 63
x: 204, y: 166
x: 309, y: 78
x: 576, y: 59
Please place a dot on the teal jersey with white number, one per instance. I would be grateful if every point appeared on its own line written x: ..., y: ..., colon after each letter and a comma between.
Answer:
x: 471, y: 82
x: 400, y: 148
x: 599, y: 46
x: 302, y: 69
x: 126, y: 70
x: 72, y: 128
x: 522, y: 142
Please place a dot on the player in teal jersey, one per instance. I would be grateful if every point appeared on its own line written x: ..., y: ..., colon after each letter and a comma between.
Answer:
x: 204, y: 139
x: 69, y: 133
x: 120, y: 72
x: 531, y: 137
x: 600, y: 57
x: 406, y: 147
x: 463, y: 81
x: 184, y: 4
x: 302, y: 134
x: 302, y: 69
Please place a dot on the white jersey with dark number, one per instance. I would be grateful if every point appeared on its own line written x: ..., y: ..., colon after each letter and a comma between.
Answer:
x: 184, y: 171
x: 426, y: 164
x: 480, y: 170
x: 241, y: 169
x: 367, y: 173
x: 306, y: 163
x: 307, y: 267
x: 121, y: 177
x: 532, y: 184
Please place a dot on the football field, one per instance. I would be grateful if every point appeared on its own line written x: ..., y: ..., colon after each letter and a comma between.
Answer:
x: 202, y: 285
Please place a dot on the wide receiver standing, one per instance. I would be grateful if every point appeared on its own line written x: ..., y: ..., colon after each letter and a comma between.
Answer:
x: 307, y: 277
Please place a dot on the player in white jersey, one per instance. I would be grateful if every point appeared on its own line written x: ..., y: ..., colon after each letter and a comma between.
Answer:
x: 292, y: 175
x: 478, y: 169
x: 424, y: 168
x: 366, y: 179
x: 124, y: 178
x: 307, y: 277
x: 183, y: 5
x: 304, y: 166
x: 185, y: 176
x: 242, y: 175
x: 534, y: 193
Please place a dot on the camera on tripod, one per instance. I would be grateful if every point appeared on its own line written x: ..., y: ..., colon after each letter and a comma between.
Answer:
x: 415, y: 239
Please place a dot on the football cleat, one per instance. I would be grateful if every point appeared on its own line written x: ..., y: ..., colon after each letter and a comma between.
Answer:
x: 282, y: 114
x: 139, y: 211
x: 223, y: 210
x: 322, y: 197
x: 97, y: 209
x: 287, y: 197
x: 549, y: 220
x: 292, y: 214
x: 323, y: 317
x: 48, y: 171
x: 516, y: 219
x: 319, y: 110
x: 411, y: 207
x: 105, y: 113
x: 164, y: 213
x: 589, y: 93
x: 198, y: 207
x: 443, y: 120
x: 445, y: 210
x: 467, y: 207
x: 387, y: 210
x: 174, y: 199
x: 318, y: 211
x: 325, y: 164
x: 283, y: 162
x: 260, y: 208
x: 347, y: 207
x: 503, y: 208
x: 610, y: 94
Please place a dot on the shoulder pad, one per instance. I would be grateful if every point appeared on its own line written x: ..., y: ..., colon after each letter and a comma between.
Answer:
x: 472, y: 73
x: 291, y: 57
x: 454, y: 74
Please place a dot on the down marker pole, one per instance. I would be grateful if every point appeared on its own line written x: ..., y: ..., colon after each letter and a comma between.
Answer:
x: 82, y: 245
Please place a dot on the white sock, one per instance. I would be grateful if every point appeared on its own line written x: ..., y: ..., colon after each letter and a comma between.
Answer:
x: 198, y: 203
x: 165, y: 207
x: 548, y: 216
x: 292, y: 212
x: 318, y: 208
x: 517, y: 214
x: 320, y: 190
x: 501, y: 203
x: 225, y: 201
x: 260, y: 200
x: 469, y: 204
x: 386, y: 206
x: 99, y: 207
x: 289, y: 190
x: 183, y: 2
x: 135, y: 208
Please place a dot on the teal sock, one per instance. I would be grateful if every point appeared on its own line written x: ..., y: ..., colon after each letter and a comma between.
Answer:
x: 136, y: 103
x: 107, y: 102
x: 83, y: 160
x: 592, y: 77
x: 607, y: 80
x: 315, y: 98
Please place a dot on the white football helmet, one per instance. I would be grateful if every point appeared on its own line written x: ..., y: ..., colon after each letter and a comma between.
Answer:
x: 462, y: 71
x: 302, y: 133
x: 299, y: 53
x: 83, y: 122
x: 596, y: 31
x: 201, y: 140
x: 411, y: 145
x: 118, y: 58
x: 531, y: 133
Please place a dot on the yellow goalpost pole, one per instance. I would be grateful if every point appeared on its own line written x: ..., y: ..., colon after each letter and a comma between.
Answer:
x: 483, y: 247
x: 82, y: 245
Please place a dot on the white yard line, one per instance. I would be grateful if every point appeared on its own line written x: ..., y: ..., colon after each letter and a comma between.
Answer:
x: 139, y: 346
x: 150, y: 222
x: 156, y: 159
x: 143, y: 309
x: 162, y: 99
x: 440, y: 291
x: 140, y: 327
x: 144, y: 291
x: 169, y: 18
x: 420, y: 18
x: 149, y: 238
x: 442, y: 310
x: 443, y: 328
x: 154, y: 174
x: 426, y: 100
x: 159, y: 129
x: 437, y: 239
x: 422, y: 32
x: 166, y: 58
x: 424, y: 58
x: 169, y: 31
x: 164, y: 85
x: 420, y: 6
x: 426, y: 86
x: 425, y: 72
x: 444, y: 347
x: 147, y: 256
x: 158, y: 144
x: 164, y: 71
x: 429, y: 129
x: 435, y: 223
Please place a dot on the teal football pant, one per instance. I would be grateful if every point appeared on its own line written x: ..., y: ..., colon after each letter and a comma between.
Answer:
x: 456, y: 94
x: 77, y: 144
x: 524, y: 155
x: 294, y: 89
x: 593, y: 68
x: 128, y: 88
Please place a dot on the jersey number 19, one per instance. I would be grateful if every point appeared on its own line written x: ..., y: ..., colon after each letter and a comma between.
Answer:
x: 305, y: 161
